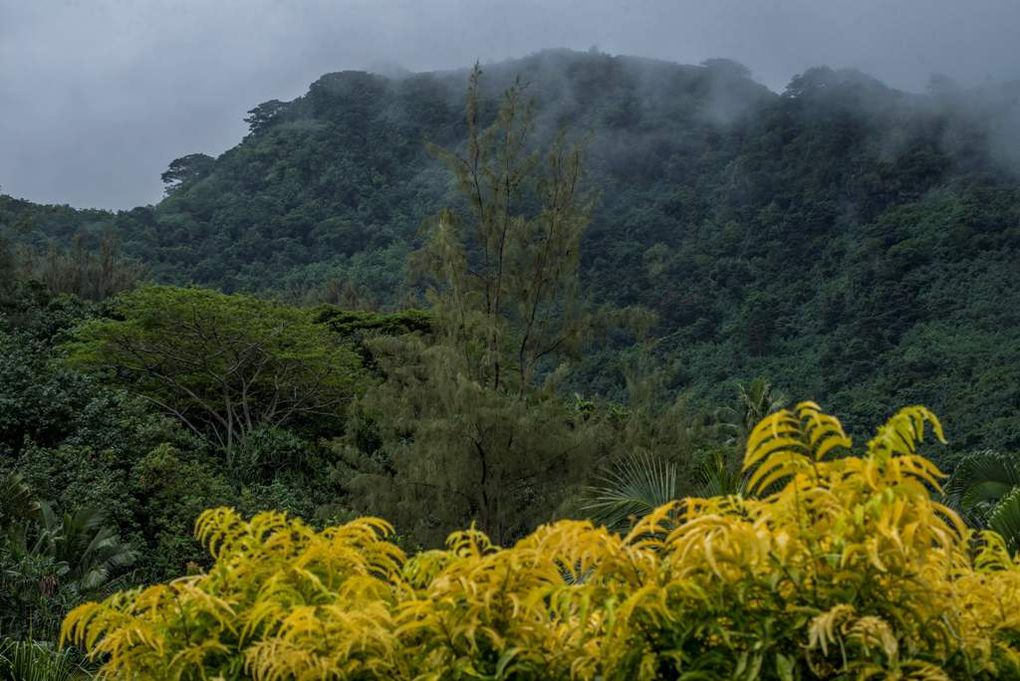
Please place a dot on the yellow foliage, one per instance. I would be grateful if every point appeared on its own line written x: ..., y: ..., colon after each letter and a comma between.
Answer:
x: 843, y: 567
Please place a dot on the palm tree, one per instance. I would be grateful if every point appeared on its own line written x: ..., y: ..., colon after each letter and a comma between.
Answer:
x: 720, y: 475
x: 81, y: 541
x: 985, y: 490
x: 51, y: 562
x: 755, y: 401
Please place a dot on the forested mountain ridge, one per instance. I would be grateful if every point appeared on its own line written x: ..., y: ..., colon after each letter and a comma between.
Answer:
x: 849, y: 241
x: 344, y: 169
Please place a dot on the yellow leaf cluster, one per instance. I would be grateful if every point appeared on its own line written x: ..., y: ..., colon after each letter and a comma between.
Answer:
x: 842, y: 566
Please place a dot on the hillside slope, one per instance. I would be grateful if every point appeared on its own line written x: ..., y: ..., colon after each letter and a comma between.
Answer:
x: 856, y: 244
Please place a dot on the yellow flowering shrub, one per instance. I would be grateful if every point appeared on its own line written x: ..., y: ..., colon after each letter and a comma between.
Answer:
x: 836, y: 565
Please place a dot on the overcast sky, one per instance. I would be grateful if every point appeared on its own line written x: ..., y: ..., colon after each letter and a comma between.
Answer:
x: 98, y: 96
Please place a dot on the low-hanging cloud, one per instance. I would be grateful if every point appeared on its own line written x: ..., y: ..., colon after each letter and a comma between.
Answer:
x: 97, y: 96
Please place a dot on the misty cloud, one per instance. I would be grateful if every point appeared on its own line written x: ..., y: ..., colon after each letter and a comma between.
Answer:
x: 98, y: 96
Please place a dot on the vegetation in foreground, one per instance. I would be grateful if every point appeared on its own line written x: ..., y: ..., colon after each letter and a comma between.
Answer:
x: 838, y: 564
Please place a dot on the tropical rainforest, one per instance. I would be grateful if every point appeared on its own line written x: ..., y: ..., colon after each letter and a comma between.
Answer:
x: 515, y: 373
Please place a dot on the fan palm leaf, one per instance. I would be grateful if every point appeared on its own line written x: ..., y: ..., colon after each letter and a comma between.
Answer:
x: 1005, y: 519
x: 980, y: 482
x: 631, y: 488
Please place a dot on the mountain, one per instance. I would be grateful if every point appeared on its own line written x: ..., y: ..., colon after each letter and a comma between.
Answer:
x: 854, y: 243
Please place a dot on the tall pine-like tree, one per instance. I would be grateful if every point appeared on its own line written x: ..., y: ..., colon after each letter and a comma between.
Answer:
x: 469, y: 426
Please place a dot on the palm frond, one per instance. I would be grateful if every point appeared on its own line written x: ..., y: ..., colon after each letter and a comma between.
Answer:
x: 631, y: 488
x: 1005, y: 519
x: 981, y: 480
x: 719, y: 477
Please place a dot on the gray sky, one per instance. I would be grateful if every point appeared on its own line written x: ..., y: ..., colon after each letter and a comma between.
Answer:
x: 98, y: 96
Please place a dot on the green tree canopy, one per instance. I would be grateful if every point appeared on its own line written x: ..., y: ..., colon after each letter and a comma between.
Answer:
x: 186, y: 169
x: 225, y: 365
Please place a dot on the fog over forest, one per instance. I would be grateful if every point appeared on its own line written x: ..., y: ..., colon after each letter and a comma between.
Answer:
x: 98, y: 97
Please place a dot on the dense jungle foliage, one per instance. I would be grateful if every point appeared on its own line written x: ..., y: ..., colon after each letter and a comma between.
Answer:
x: 844, y: 567
x: 577, y: 299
